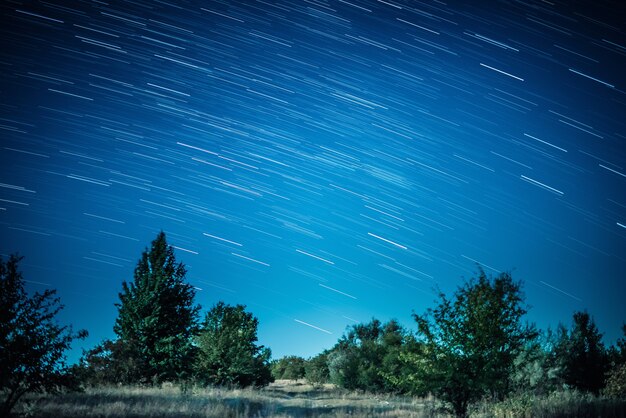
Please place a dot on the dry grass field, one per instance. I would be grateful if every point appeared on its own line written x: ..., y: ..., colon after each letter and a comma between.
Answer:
x: 280, y: 399
x: 294, y: 399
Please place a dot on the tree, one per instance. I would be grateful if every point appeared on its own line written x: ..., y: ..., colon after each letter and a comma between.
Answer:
x: 228, y: 353
x: 32, y: 343
x: 316, y: 369
x: 583, y: 356
x: 109, y: 362
x: 536, y: 368
x: 288, y: 367
x: 157, y: 318
x: 365, y: 355
x: 468, y: 344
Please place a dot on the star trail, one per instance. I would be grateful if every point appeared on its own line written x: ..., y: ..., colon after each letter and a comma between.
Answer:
x: 321, y: 161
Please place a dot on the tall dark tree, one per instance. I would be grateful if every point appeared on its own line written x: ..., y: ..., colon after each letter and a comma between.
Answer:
x: 157, y: 318
x: 468, y: 344
x: 32, y: 343
x: 228, y: 353
x: 584, y: 357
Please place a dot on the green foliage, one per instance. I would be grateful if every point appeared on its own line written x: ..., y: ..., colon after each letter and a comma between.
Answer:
x: 108, y: 362
x: 288, y: 367
x: 616, y: 382
x: 536, y: 369
x: 32, y: 343
x: 616, y: 378
x: 365, y: 355
x: 316, y: 369
x: 469, y: 344
x: 157, y: 319
x: 561, y: 403
x: 582, y: 354
x: 228, y: 353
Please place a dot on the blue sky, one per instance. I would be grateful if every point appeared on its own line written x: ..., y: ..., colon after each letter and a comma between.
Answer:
x: 322, y: 162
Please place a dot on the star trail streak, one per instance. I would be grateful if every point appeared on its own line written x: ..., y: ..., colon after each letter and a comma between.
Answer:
x: 326, y: 159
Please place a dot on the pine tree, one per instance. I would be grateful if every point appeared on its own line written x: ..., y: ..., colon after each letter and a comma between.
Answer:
x: 157, y: 318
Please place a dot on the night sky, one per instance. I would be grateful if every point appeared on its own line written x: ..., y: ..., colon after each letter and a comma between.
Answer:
x: 320, y: 161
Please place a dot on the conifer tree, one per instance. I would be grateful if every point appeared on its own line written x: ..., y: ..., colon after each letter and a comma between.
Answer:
x: 157, y: 318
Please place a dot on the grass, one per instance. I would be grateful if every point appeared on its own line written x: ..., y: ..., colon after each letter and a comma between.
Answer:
x: 295, y: 399
x: 280, y: 399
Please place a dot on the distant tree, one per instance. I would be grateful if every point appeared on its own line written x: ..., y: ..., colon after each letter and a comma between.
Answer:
x: 365, y: 355
x: 468, y: 344
x: 32, y: 343
x: 288, y: 367
x: 110, y: 362
x: 157, y: 318
x: 582, y: 354
x: 228, y: 353
x: 316, y: 369
x: 617, y: 353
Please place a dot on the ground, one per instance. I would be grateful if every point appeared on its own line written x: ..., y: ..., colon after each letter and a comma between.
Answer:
x: 281, y: 399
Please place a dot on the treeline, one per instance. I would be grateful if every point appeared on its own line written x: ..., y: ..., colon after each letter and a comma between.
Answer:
x: 160, y: 337
x: 470, y: 347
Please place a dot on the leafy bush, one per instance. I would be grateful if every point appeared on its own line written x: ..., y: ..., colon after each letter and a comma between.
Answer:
x: 616, y: 383
x: 288, y: 367
x: 316, y: 369
x: 365, y: 355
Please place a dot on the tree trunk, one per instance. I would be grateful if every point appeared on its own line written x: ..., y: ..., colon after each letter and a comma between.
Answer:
x: 8, y: 404
x: 460, y: 410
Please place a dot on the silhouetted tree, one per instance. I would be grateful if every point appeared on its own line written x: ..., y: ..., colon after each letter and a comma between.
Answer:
x: 468, y: 344
x: 32, y: 343
x: 582, y: 354
x: 228, y: 353
x: 157, y: 318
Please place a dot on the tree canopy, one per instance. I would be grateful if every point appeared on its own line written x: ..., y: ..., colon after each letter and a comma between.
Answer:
x: 468, y: 343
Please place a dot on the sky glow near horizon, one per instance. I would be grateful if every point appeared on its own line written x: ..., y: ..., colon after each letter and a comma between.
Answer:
x: 322, y: 162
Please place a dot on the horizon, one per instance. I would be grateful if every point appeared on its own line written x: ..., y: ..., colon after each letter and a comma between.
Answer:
x: 323, y: 162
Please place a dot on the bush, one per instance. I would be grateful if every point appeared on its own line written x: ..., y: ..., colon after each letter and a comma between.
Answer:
x: 616, y: 383
x: 288, y: 367
x: 316, y: 369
